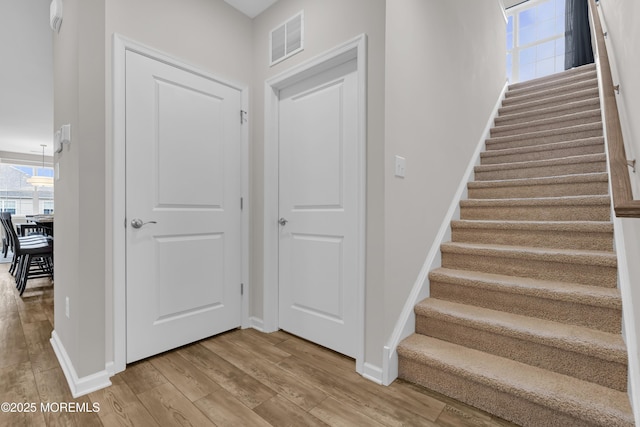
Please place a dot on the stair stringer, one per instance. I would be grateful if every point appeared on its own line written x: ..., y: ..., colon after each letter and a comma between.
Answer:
x: 406, y: 325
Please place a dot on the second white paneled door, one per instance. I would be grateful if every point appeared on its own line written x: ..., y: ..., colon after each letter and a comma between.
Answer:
x: 318, y: 207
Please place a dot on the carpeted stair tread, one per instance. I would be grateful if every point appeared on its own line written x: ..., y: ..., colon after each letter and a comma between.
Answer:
x: 575, y: 304
x: 560, y: 99
x: 581, y: 235
x: 599, y: 258
x: 517, y: 97
x: 587, y: 163
x: 547, y: 112
x: 562, y: 77
x: 554, y: 150
x: 573, y: 118
x: 569, y: 133
x: 576, y: 184
x: 594, y: 268
x: 598, y: 344
x: 524, y: 394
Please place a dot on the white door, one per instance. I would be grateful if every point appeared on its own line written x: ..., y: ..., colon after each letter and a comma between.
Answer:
x: 183, y: 166
x: 318, y: 206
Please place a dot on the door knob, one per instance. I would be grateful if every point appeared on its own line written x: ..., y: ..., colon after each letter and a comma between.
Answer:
x: 138, y: 223
x: 283, y: 221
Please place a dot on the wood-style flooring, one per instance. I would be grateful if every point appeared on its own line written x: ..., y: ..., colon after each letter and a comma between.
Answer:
x: 240, y: 378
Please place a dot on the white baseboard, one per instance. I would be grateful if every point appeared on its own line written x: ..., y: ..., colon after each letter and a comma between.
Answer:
x: 405, y: 325
x: 256, y: 323
x: 372, y: 373
x: 79, y: 386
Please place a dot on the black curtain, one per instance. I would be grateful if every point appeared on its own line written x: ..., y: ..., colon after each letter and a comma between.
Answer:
x: 577, y: 35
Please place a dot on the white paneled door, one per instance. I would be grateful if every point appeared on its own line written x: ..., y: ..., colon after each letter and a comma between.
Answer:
x: 318, y: 201
x: 183, y: 219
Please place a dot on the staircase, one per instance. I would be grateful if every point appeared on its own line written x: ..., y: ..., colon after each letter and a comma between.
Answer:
x: 524, y: 318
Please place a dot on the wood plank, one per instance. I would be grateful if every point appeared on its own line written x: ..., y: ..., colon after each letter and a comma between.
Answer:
x: 235, y: 381
x: 13, y: 346
x: 41, y: 354
x: 134, y: 415
x: 290, y: 386
x: 338, y: 414
x: 225, y: 410
x: 169, y: 407
x: 280, y: 412
x: 114, y: 398
x: 323, y: 358
x: 274, y: 338
x: 18, y: 385
x: 260, y: 348
x: 184, y: 376
x: 377, y: 401
x: 142, y: 376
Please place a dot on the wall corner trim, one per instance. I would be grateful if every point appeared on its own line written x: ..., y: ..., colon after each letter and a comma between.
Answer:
x: 372, y: 373
x: 405, y: 324
x: 79, y: 386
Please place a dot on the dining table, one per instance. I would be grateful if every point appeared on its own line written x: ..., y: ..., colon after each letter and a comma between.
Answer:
x: 42, y: 222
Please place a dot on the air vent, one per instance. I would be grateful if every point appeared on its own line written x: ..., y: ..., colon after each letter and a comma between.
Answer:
x: 287, y: 39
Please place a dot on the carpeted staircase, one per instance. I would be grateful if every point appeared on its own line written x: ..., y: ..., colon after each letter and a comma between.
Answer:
x: 524, y: 318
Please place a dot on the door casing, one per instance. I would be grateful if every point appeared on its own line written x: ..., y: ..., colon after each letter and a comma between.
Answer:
x: 355, y: 48
x: 115, y: 309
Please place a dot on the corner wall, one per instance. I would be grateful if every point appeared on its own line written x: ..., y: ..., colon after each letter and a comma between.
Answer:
x: 445, y: 69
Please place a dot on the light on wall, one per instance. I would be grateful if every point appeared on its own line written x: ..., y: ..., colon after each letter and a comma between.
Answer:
x: 55, y: 15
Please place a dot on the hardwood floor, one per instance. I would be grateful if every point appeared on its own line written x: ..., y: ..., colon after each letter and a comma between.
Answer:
x: 240, y: 378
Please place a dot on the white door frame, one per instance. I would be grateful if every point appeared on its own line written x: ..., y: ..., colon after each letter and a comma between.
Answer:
x: 355, y: 48
x: 116, y: 299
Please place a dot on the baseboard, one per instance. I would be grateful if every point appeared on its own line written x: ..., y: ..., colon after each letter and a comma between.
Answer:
x: 405, y: 325
x: 256, y: 323
x: 79, y: 386
x: 372, y: 373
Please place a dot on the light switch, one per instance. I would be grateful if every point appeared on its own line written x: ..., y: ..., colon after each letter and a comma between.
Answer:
x: 401, y: 166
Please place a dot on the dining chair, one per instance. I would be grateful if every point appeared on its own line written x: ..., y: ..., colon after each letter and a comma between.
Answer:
x: 32, y: 255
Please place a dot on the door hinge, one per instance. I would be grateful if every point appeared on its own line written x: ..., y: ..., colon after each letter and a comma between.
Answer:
x: 243, y: 116
x: 241, y: 203
x: 241, y: 288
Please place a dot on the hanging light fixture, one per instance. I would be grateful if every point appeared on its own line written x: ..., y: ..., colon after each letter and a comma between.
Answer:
x: 38, y: 180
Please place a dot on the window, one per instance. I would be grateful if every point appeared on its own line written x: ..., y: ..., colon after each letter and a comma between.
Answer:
x: 18, y: 196
x: 8, y: 206
x: 535, y: 39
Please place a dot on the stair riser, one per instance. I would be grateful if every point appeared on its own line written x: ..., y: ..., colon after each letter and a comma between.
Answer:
x: 507, y: 110
x: 556, y: 153
x: 537, y: 213
x: 511, y: 407
x: 541, y: 171
x: 584, y: 367
x: 549, y: 124
x: 588, y: 274
x: 550, y: 190
x: 533, y: 140
x: 515, y: 98
x: 576, y: 107
x: 535, y: 238
x: 596, y: 317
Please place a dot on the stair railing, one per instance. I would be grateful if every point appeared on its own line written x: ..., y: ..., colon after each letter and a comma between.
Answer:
x: 624, y: 204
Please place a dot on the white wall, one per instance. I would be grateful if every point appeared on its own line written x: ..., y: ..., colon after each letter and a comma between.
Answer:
x: 79, y: 75
x: 445, y: 68
x: 621, y: 19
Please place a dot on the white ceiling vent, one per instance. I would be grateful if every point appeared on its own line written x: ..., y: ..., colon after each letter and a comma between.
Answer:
x: 287, y: 39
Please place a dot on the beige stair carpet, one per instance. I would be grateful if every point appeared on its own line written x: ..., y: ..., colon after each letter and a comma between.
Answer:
x: 524, y: 318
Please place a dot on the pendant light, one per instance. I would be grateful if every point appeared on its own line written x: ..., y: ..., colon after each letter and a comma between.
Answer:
x: 38, y: 180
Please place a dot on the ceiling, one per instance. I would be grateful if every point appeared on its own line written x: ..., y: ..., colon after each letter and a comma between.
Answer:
x: 251, y: 8
x: 26, y: 77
